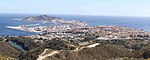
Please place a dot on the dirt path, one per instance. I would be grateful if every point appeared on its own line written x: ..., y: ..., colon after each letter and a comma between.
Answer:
x: 93, y: 45
x: 89, y: 46
x: 42, y: 56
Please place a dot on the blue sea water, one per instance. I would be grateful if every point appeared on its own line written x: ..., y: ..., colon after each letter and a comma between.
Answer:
x: 131, y: 22
x: 125, y: 21
x: 6, y: 20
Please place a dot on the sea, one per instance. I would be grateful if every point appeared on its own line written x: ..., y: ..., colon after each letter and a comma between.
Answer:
x: 141, y: 23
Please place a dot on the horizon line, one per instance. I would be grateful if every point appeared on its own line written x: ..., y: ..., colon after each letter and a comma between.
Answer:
x: 74, y: 14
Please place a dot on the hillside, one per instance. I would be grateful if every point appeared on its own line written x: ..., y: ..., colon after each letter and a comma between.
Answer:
x: 40, y: 18
x: 108, y: 49
x: 8, y: 51
x: 98, y: 53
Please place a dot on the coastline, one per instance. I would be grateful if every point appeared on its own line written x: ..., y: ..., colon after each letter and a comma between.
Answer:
x: 22, y: 29
x: 18, y: 19
x: 14, y: 27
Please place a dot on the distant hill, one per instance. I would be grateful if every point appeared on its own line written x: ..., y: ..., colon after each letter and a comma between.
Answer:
x: 55, y: 20
x: 40, y: 18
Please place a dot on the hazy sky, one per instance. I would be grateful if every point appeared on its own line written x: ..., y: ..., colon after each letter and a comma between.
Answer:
x: 78, y: 7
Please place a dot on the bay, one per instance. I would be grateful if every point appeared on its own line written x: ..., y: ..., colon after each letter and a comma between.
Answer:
x: 141, y: 23
x: 131, y: 22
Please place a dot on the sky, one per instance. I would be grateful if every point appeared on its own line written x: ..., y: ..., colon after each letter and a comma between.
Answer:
x: 77, y: 7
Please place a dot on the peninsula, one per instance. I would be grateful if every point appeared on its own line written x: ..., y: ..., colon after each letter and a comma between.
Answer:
x: 74, y: 39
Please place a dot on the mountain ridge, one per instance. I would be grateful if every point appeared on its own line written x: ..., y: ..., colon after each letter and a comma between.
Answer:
x: 41, y: 18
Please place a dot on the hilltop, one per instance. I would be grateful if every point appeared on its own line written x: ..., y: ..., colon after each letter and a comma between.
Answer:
x: 40, y: 18
x: 60, y: 49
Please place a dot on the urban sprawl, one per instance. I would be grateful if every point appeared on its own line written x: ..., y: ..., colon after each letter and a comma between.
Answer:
x: 77, y: 30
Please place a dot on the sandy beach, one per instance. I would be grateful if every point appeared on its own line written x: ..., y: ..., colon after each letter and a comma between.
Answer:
x: 14, y: 27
